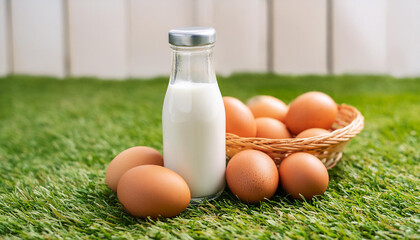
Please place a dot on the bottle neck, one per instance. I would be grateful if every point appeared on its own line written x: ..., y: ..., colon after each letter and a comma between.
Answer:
x: 192, y: 64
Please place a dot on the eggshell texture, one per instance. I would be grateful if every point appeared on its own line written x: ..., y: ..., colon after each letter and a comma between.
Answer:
x: 271, y: 128
x: 128, y: 159
x: 312, y: 132
x: 303, y: 173
x: 311, y: 110
x: 252, y: 176
x: 239, y: 119
x: 152, y: 190
x: 267, y: 106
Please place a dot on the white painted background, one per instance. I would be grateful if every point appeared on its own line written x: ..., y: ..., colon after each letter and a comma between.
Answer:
x: 98, y: 38
x: 359, y: 28
x: 121, y: 39
x: 300, y: 36
x: 4, y: 42
x: 38, y: 37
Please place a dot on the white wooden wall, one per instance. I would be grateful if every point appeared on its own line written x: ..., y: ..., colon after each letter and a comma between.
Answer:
x: 403, y: 37
x: 98, y: 38
x: 4, y: 51
x: 120, y: 39
x: 300, y: 36
x: 359, y: 36
x: 241, y: 27
x: 38, y: 37
x: 149, y: 52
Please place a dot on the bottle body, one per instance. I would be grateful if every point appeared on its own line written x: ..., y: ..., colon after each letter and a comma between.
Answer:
x: 193, y: 122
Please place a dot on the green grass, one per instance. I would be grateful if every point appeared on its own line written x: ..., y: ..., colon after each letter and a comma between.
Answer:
x: 58, y: 136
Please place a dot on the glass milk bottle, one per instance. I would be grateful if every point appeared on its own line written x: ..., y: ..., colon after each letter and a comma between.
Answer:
x: 193, y: 116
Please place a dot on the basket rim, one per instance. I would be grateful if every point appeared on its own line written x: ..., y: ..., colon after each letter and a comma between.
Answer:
x: 328, y: 147
x: 339, y: 135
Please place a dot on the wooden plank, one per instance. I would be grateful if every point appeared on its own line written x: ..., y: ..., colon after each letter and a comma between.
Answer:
x: 241, y: 27
x: 150, y: 21
x: 98, y: 38
x: 403, y: 37
x: 38, y: 37
x: 4, y: 49
x: 203, y: 13
x: 359, y: 34
x: 300, y: 36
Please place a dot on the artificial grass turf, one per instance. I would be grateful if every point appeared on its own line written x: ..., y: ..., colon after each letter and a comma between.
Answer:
x: 58, y: 136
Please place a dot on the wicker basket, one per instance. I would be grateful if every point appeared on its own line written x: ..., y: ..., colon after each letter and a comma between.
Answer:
x: 328, y: 148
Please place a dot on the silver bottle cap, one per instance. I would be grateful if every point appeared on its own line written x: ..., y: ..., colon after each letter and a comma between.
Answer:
x: 192, y: 36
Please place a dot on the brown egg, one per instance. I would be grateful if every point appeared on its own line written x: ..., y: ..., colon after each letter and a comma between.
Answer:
x: 271, y: 128
x: 303, y: 173
x: 311, y: 110
x: 252, y: 176
x: 239, y: 119
x: 153, y: 191
x: 128, y: 159
x: 267, y: 106
x: 312, y: 132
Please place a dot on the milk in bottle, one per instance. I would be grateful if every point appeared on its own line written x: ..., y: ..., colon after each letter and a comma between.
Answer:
x: 193, y: 116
